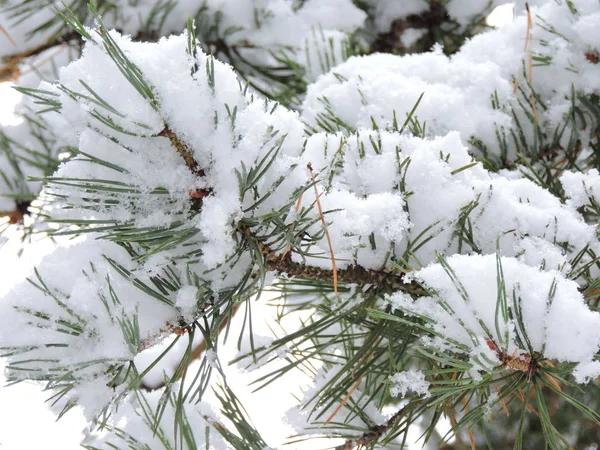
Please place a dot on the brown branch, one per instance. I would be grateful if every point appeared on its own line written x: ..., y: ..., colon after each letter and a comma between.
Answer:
x: 197, y: 195
x: 8, y: 36
x: 375, y: 432
x: 183, y: 151
x: 14, y: 216
x: 18, y: 214
x: 391, y: 279
x: 592, y: 57
x: 284, y: 264
x: 196, y: 199
x: 10, y: 71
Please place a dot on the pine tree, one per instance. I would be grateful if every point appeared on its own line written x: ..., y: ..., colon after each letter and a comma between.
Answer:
x: 410, y: 193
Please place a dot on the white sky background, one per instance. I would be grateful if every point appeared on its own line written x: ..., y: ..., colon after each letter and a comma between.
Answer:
x: 26, y: 423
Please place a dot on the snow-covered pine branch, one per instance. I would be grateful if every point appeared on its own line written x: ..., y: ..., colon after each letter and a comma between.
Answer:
x: 433, y: 216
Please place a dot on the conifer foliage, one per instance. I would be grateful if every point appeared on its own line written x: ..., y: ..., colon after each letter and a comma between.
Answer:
x: 409, y: 192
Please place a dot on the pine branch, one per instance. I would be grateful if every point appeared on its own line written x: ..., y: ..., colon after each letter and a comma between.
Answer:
x: 197, y: 195
x: 390, y: 279
x: 366, y: 338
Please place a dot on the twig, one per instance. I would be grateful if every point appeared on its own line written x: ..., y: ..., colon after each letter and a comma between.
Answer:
x: 376, y: 432
x: 391, y: 279
x: 279, y: 263
x: 196, y: 196
x: 8, y: 36
x: 356, y: 384
x: 502, y: 402
x: 521, y: 396
x: 18, y: 214
x: 345, y: 400
x: 181, y: 148
x: 529, y: 50
x: 452, y: 417
x: 10, y: 71
x: 320, y: 209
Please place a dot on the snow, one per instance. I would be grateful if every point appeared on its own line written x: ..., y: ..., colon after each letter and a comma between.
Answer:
x: 466, y: 12
x: 10, y: 98
x: 386, y: 11
x: 409, y: 380
x: 581, y: 188
x: 76, y: 322
x: 136, y: 418
x: 313, y: 412
x: 511, y: 210
x: 22, y: 406
x: 283, y: 30
x: 24, y: 403
x: 265, y: 32
x: 381, y: 85
x: 376, y: 86
x: 26, y: 145
x: 186, y: 300
x: 390, y: 190
x: 557, y: 321
x: 501, y: 15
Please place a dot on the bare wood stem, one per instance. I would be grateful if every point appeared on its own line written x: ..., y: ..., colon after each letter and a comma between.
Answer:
x: 391, y: 279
